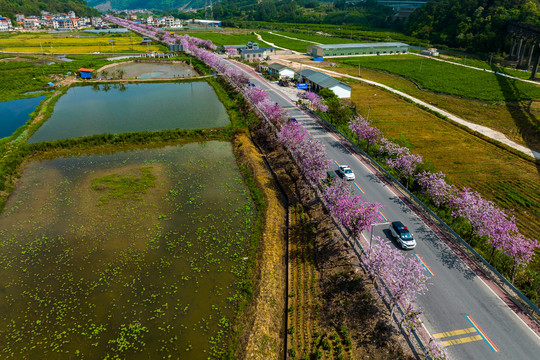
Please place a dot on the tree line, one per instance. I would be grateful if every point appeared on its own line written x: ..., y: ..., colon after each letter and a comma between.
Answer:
x: 9, y: 8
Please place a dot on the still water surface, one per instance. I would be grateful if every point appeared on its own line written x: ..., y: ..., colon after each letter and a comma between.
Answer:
x: 90, y: 273
x: 99, y: 109
x: 15, y: 113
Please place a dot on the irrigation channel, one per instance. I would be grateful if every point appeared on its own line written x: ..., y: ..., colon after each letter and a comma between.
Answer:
x: 127, y: 251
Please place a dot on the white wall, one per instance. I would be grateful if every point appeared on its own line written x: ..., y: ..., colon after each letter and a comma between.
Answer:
x: 341, y: 91
x: 288, y: 73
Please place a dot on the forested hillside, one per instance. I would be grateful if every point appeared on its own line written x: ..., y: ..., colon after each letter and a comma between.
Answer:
x: 477, y: 25
x: 34, y: 7
x: 150, y: 4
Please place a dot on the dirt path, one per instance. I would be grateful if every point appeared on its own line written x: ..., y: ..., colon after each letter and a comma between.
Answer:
x: 274, y: 45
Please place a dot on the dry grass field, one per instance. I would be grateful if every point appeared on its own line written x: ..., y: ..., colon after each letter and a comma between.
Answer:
x: 510, y: 181
x: 518, y: 121
x: 72, y: 43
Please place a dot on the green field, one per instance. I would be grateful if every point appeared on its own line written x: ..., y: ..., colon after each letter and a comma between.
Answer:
x: 445, y: 78
x: 357, y: 33
x: 318, y: 38
x: 220, y: 39
x: 296, y: 45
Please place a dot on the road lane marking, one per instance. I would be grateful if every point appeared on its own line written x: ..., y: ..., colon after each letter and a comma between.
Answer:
x: 384, y: 217
x: 461, y: 340
x: 428, y: 269
x: 454, y: 333
x: 482, y: 333
x: 359, y: 188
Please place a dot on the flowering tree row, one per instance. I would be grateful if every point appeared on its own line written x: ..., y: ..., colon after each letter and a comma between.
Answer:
x: 486, y: 219
x: 405, y: 279
x: 348, y: 209
x: 316, y: 101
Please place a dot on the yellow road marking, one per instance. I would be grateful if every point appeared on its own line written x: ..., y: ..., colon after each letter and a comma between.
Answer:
x: 461, y: 340
x: 454, y: 333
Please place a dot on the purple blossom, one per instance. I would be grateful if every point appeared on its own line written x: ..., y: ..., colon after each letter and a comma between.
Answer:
x: 363, y: 129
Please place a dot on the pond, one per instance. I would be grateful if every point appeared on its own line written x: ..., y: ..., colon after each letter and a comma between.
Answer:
x: 108, y: 108
x: 16, y: 113
x: 137, y: 254
x: 144, y: 70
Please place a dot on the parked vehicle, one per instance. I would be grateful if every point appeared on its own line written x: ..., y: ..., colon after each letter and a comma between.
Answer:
x: 346, y: 172
x: 402, y: 235
x: 292, y: 120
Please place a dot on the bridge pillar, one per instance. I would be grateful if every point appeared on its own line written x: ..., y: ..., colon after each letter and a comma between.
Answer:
x: 522, y: 55
x: 535, y: 68
x: 519, y: 48
x: 512, y: 52
x: 533, y: 45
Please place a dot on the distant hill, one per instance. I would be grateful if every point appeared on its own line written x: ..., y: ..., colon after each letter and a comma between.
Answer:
x: 33, y: 7
x: 146, y: 4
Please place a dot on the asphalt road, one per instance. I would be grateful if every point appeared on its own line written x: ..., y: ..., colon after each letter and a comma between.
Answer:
x: 459, y: 308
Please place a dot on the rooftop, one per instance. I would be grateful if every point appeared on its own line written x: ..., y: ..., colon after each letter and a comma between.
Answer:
x: 323, y: 80
x: 86, y: 70
x: 360, y: 45
x: 278, y: 67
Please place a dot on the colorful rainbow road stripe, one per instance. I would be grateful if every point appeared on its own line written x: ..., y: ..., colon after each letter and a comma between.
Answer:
x: 384, y: 217
x: 482, y: 333
x: 359, y: 188
x: 428, y: 269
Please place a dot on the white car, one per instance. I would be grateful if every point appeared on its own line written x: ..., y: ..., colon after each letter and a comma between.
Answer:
x: 346, y: 172
x: 402, y: 235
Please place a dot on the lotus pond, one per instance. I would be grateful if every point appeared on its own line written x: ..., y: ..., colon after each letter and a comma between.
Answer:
x: 134, y: 254
x: 114, y: 108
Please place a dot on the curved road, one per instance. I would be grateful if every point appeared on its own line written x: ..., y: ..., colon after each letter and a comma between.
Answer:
x: 459, y: 307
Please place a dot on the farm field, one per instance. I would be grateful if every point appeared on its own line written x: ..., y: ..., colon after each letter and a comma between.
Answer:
x: 296, y: 45
x: 128, y: 252
x: 220, y: 39
x: 518, y: 121
x: 317, y: 38
x: 447, y: 79
x: 73, y: 43
x: 357, y: 33
x: 506, y: 179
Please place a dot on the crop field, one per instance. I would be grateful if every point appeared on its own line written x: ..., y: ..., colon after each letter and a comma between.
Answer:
x: 220, y: 39
x: 319, y: 38
x: 73, y: 43
x: 306, y: 341
x: 357, y: 33
x: 134, y: 254
x: 510, y: 181
x: 518, y: 121
x: 448, y: 79
x: 296, y: 45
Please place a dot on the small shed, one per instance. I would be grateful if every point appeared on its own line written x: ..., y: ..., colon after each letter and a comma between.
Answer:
x: 86, y: 73
x: 281, y: 70
x: 317, y: 81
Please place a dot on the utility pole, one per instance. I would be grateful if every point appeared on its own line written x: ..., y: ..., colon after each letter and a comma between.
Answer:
x: 421, y: 62
x: 358, y: 69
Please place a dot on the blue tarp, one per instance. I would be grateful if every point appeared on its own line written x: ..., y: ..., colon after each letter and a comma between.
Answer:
x: 318, y: 59
x: 50, y: 84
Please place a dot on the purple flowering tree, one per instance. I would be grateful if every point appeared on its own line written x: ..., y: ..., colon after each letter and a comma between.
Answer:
x: 388, y: 264
x: 363, y: 129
